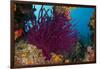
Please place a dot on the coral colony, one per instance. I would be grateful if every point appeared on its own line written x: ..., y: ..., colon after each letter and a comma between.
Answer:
x: 48, y: 35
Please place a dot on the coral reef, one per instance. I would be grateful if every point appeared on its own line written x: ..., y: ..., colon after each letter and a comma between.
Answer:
x: 49, y: 39
x: 28, y: 54
x: 53, y: 36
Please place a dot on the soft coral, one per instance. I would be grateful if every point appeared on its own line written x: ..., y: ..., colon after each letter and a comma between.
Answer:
x: 53, y: 36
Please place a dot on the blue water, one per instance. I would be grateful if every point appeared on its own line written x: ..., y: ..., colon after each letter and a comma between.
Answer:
x: 82, y: 16
x: 38, y: 7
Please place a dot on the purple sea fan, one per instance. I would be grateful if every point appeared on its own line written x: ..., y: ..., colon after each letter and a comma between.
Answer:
x: 55, y: 36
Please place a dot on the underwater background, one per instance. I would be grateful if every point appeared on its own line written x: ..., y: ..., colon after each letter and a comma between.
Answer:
x: 82, y: 16
x: 48, y: 34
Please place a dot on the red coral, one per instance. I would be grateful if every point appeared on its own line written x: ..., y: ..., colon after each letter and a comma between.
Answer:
x: 53, y: 36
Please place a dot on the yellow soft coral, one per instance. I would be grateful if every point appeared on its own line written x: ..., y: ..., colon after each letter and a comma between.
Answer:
x: 56, y: 58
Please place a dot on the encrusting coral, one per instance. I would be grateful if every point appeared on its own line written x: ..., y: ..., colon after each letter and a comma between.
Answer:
x: 28, y: 54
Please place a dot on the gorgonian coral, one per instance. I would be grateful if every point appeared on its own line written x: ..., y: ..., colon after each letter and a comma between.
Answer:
x: 54, y: 34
